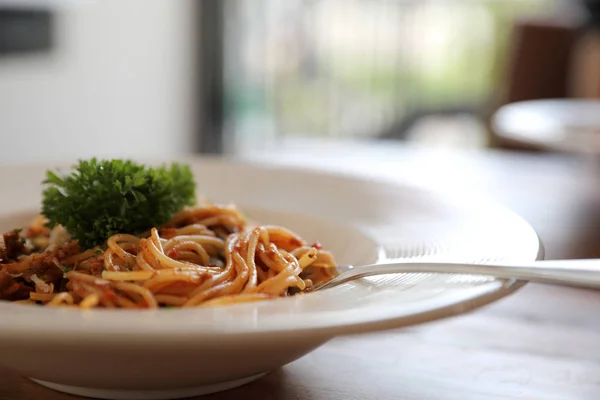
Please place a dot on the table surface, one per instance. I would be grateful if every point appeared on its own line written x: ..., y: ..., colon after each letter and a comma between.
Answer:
x: 542, y: 342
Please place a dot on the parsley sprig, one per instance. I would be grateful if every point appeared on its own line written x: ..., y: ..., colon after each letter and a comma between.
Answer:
x: 101, y: 198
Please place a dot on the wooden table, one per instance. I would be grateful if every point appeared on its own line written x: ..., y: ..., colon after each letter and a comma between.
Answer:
x: 541, y: 343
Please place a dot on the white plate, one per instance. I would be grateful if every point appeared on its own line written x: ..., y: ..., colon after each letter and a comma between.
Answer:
x: 178, y: 353
x: 561, y: 125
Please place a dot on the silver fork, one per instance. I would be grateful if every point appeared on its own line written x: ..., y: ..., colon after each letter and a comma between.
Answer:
x: 576, y: 273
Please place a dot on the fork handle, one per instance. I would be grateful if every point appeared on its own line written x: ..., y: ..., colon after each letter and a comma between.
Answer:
x: 578, y: 273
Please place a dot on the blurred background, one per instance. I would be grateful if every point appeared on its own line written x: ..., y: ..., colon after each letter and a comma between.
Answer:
x: 162, y: 78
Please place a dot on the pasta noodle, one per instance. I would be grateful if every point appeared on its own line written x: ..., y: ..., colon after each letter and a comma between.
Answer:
x: 205, y: 256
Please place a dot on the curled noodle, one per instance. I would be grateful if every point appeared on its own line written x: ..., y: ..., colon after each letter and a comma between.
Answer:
x: 205, y: 256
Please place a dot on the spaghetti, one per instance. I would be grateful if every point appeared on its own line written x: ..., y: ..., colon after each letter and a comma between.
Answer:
x: 206, y: 255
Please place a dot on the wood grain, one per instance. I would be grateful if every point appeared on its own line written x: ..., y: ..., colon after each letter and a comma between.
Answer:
x: 541, y: 343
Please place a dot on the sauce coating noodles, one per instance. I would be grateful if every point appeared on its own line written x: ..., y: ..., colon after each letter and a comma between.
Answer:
x: 207, y: 255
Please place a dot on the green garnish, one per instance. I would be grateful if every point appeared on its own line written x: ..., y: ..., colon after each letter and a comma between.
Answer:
x: 18, y: 230
x: 98, y: 251
x: 102, y: 198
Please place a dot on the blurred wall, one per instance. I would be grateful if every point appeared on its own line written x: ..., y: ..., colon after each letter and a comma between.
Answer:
x: 118, y: 82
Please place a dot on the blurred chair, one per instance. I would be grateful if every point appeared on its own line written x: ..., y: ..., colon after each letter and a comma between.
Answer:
x: 538, y: 62
x: 585, y: 72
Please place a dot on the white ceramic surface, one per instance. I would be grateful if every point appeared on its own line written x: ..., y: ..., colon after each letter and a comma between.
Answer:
x: 172, y: 353
x: 562, y: 125
x: 148, y: 394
